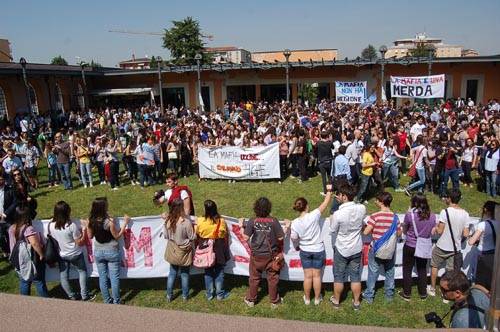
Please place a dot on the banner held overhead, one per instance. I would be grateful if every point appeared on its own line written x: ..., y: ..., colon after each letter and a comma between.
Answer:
x: 350, y: 92
x: 423, y: 87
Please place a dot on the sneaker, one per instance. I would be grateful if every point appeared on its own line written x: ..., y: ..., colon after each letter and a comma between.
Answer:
x: 355, y: 306
x: 72, y: 298
x: 407, y: 192
x: 431, y: 291
x: 365, y: 202
x: 168, y: 298
x: 103, y: 182
x: 366, y: 299
x: 84, y: 186
x: 399, y: 190
x: 91, y: 185
x: 115, y: 189
x: 223, y: 296
x: 306, y: 301
x: 90, y: 297
x: 403, y: 296
x: 133, y: 183
x: 318, y: 300
x: 249, y: 304
x: 210, y: 298
x: 336, y: 305
x: 277, y: 304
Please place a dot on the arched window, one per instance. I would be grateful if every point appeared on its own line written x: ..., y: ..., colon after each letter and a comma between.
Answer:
x: 59, y: 99
x: 3, y: 104
x: 33, y: 99
x: 81, y: 97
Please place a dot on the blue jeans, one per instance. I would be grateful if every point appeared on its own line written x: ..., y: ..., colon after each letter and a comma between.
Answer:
x: 375, y: 267
x: 108, y: 266
x: 144, y: 174
x: 454, y: 175
x: 64, y: 267
x: 420, y: 184
x: 65, y: 171
x: 214, y: 274
x: 86, y: 171
x: 391, y: 171
x: 184, y: 273
x: 363, y: 186
x: 491, y: 183
x: 54, y: 175
x: 39, y: 281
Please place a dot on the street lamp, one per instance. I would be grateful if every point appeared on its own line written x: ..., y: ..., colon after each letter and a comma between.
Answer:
x: 287, y: 54
x: 382, y: 50
x: 159, y: 62
x: 430, y: 49
x: 83, y: 64
x: 23, y: 63
x: 198, y: 58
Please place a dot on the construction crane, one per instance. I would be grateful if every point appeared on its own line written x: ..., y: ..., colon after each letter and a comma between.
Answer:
x: 130, y: 32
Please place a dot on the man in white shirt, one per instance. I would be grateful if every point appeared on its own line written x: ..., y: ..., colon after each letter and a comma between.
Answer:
x: 449, y: 242
x: 346, y: 223
x: 177, y: 192
x: 417, y: 128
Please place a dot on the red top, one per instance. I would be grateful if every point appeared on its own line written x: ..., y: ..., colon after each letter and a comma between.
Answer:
x: 381, y: 222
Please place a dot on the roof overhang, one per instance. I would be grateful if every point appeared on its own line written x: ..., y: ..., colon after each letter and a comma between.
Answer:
x: 117, y: 92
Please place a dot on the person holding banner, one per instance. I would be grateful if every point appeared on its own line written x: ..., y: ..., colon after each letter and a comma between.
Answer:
x: 306, y: 238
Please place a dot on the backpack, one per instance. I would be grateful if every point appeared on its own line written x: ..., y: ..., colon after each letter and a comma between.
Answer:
x: 22, y: 258
x: 204, y: 255
x: 51, y: 250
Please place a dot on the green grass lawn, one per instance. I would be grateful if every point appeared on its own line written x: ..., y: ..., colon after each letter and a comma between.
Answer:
x: 236, y: 199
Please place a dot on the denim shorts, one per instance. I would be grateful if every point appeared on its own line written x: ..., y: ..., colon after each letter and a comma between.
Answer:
x: 312, y: 260
x: 345, y: 268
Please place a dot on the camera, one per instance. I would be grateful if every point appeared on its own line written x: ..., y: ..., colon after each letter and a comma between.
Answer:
x: 432, y: 317
x: 157, y: 195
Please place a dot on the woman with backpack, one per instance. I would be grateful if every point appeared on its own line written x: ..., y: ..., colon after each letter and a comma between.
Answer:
x: 180, y: 235
x: 70, y: 239
x: 23, y: 238
x: 265, y: 237
x: 106, y: 232
x: 211, y: 230
x: 417, y: 227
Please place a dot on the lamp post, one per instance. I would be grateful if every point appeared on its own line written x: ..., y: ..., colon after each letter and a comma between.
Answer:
x: 83, y: 64
x: 198, y: 58
x: 382, y: 51
x: 287, y: 54
x: 430, y: 55
x: 159, y: 62
x: 23, y: 63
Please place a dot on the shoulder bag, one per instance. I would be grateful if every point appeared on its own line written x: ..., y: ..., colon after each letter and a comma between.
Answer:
x: 458, y: 258
x: 412, y: 171
x: 51, y: 250
x: 204, y: 255
x: 423, y: 249
x: 178, y: 255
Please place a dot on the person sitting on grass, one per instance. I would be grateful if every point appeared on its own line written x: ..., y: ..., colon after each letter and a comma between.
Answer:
x: 306, y: 238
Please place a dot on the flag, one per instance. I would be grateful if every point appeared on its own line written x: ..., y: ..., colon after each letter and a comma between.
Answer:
x: 369, y: 101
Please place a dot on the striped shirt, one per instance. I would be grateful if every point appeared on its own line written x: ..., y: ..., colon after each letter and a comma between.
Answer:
x: 381, y: 222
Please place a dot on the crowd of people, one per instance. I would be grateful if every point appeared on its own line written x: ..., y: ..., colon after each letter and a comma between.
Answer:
x: 370, y: 146
x: 355, y: 149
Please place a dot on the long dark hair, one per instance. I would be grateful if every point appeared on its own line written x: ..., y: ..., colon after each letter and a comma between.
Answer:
x: 22, y: 218
x: 489, y: 208
x: 176, y: 210
x: 98, y: 212
x: 62, y: 215
x: 211, y: 212
x: 420, y: 204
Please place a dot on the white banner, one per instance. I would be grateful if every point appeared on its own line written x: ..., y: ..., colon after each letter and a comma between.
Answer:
x: 143, y: 248
x: 350, y: 92
x: 232, y: 162
x: 423, y: 87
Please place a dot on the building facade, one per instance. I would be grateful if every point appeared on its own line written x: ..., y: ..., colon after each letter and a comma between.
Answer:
x: 5, y: 51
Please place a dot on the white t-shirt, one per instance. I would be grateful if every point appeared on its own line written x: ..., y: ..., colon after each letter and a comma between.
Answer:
x: 168, y: 193
x: 347, y: 223
x: 416, y: 130
x: 486, y: 241
x: 308, y: 231
x: 66, y: 239
x: 459, y: 219
x: 420, y: 152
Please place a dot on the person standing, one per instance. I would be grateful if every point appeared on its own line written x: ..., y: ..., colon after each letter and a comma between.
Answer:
x: 83, y: 153
x: 491, y: 167
x: 418, y: 223
x: 324, y: 148
x: 112, y: 150
x: 452, y: 225
x: 368, y: 165
x: 63, y: 151
x: 306, y: 238
x: 381, y: 226
x: 417, y: 155
x: 175, y: 191
x: 106, y: 232
x: 347, y: 223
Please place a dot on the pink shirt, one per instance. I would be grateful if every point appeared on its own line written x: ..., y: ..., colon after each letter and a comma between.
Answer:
x: 28, y: 231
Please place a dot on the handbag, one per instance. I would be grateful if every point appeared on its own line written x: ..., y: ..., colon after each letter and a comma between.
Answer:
x: 204, y: 255
x: 385, y: 246
x: 423, y: 249
x: 51, y: 250
x: 178, y: 255
x: 412, y: 171
x: 458, y: 258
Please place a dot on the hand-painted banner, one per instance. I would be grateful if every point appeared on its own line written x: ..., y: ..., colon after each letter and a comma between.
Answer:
x: 423, y: 87
x: 350, y: 92
x: 143, y: 247
x: 232, y: 162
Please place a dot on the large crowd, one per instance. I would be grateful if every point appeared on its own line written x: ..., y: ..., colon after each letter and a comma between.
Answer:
x: 355, y: 149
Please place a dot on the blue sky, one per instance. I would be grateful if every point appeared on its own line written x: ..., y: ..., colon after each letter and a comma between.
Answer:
x: 40, y: 30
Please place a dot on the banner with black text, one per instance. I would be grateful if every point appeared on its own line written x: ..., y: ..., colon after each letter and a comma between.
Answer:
x: 422, y: 87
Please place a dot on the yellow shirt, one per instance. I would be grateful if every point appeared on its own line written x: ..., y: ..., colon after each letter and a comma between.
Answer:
x: 206, y: 228
x: 367, y: 159
x: 84, y: 154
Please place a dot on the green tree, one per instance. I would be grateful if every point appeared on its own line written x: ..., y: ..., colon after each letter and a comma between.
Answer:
x: 309, y: 92
x: 153, y: 64
x: 369, y: 53
x: 422, y: 51
x: 95, y: 64
x: 59, y: 60
x: 184, y: 41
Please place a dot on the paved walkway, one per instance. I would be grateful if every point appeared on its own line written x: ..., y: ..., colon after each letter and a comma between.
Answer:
x: 24, y: 313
